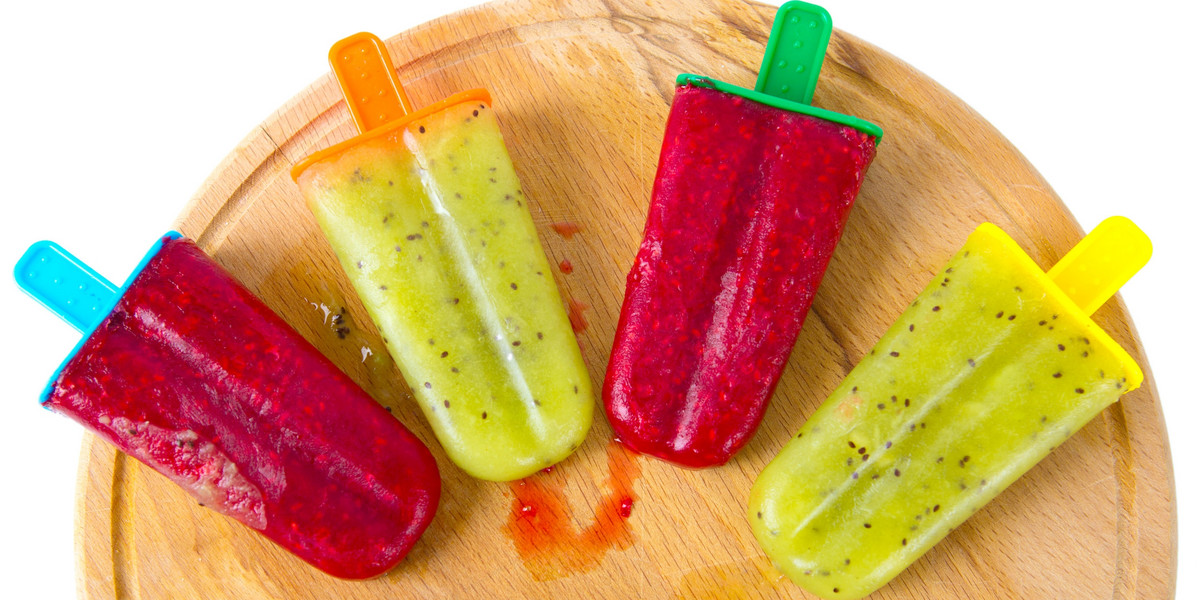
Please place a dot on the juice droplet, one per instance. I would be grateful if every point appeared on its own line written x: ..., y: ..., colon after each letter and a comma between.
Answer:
x: 567, y: 229
x: 566, y: 267
x: 575, y: 310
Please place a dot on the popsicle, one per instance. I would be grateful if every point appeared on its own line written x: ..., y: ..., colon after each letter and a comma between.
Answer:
x: 994, y: 365
x: 186, y: 370
x: 428, y: 220
x: 752, y: 192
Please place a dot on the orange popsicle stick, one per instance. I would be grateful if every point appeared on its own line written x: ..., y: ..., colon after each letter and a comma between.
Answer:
x: 368, y: 80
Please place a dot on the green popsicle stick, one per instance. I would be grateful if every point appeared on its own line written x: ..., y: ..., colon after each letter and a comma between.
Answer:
x: 795, y: 52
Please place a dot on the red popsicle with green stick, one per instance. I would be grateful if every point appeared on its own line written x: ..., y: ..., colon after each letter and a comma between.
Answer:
x: 752, y: 192
x: 186, y: 370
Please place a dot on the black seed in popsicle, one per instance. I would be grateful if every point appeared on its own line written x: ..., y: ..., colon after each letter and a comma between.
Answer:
x: 880, y: 406
x: 1085, y: 354
x: 999, y: 314
x: 397, y: 248
x: 760, y: 514
x: 1011, y: 317
x: 358, y: 264
x: 854, y: 475
x: 453, y: 369
x: 1043, y: 418
x: 887, y: 445
x: 1058, y: 375
x: 847, y: 561
x: 907, y: 402
x: 485, y: 414
x: 1052, y: 317
x: 875, y: 476
x: 937, y: 308
x: 867, y: 525
x: 893, y: 399
x: 576, y: 389
x: 1061, y: 347
x: 1041, y: 322
x: 835, y: 590
x: 421, y: 129
x: 428, y: 385
x: 896, y: 472
x: 862, y: 450
x: 904, y: 542
x: 940, y: 459
x: 475, y: 113
x: 1017, y: 289
x: 512, y: 285
x: 971, y: 361
x: 964, y: 460
x: 387, y: 408
x: 430, y: 341
x: 937, y: 507
x: 910, y: 327
x: 517, y: 343
x: 949, y: 269
x: 445, y: 354
x: 849, y: 461
x: 383, y: 287
x: 865, y: 457
x: 1078, y: 390
x: 852, y: 445
x: 854, y: 389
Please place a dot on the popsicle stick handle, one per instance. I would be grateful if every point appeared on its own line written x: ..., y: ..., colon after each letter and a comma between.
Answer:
x: 64, y: 284
x: 1101, y: 263
x: 368, y: 80
x: 795, y: 52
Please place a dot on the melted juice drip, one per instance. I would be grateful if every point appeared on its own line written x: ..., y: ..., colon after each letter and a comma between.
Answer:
x: 543, y: 529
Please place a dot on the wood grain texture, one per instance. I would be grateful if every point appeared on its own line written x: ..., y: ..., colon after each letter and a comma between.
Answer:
x: 582, y: 89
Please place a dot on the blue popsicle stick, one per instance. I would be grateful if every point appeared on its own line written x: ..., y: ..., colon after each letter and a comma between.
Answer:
x: 65, y: 285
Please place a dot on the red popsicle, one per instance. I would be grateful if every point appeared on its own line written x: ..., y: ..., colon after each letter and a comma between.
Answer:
x: 193, y: 375
x: 750, y: 199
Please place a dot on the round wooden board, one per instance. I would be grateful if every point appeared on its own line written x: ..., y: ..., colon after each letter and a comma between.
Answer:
x: 582, y: 89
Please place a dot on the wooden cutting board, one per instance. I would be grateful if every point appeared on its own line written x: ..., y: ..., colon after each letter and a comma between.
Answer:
x: 582, y: 89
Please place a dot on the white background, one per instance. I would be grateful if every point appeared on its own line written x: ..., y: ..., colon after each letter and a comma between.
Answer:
x: 114, y: 113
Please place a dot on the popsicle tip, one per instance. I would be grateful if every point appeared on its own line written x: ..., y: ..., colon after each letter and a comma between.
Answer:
x: 795, y: 52
x: 63, y: 284
x: 368, y: 80
x: 1102, y: 262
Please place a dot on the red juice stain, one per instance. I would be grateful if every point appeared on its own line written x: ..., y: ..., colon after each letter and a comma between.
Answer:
x: 567, y: 229
x: 542, y: 527
x: 566, y: 267
x: 575, y: 310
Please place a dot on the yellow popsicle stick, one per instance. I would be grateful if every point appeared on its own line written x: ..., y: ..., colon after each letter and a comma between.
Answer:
x: 1101, y: 263
x: 368, y: 80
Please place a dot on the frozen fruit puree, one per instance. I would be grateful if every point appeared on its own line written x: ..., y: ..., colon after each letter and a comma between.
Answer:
x: 193, y: 375
x: 992, y: 366
x: 750, y: 199
x: 430, y: 224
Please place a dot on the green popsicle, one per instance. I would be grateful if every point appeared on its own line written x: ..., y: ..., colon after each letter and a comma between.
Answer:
x: 994, y: 365
x: 429, y: 222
